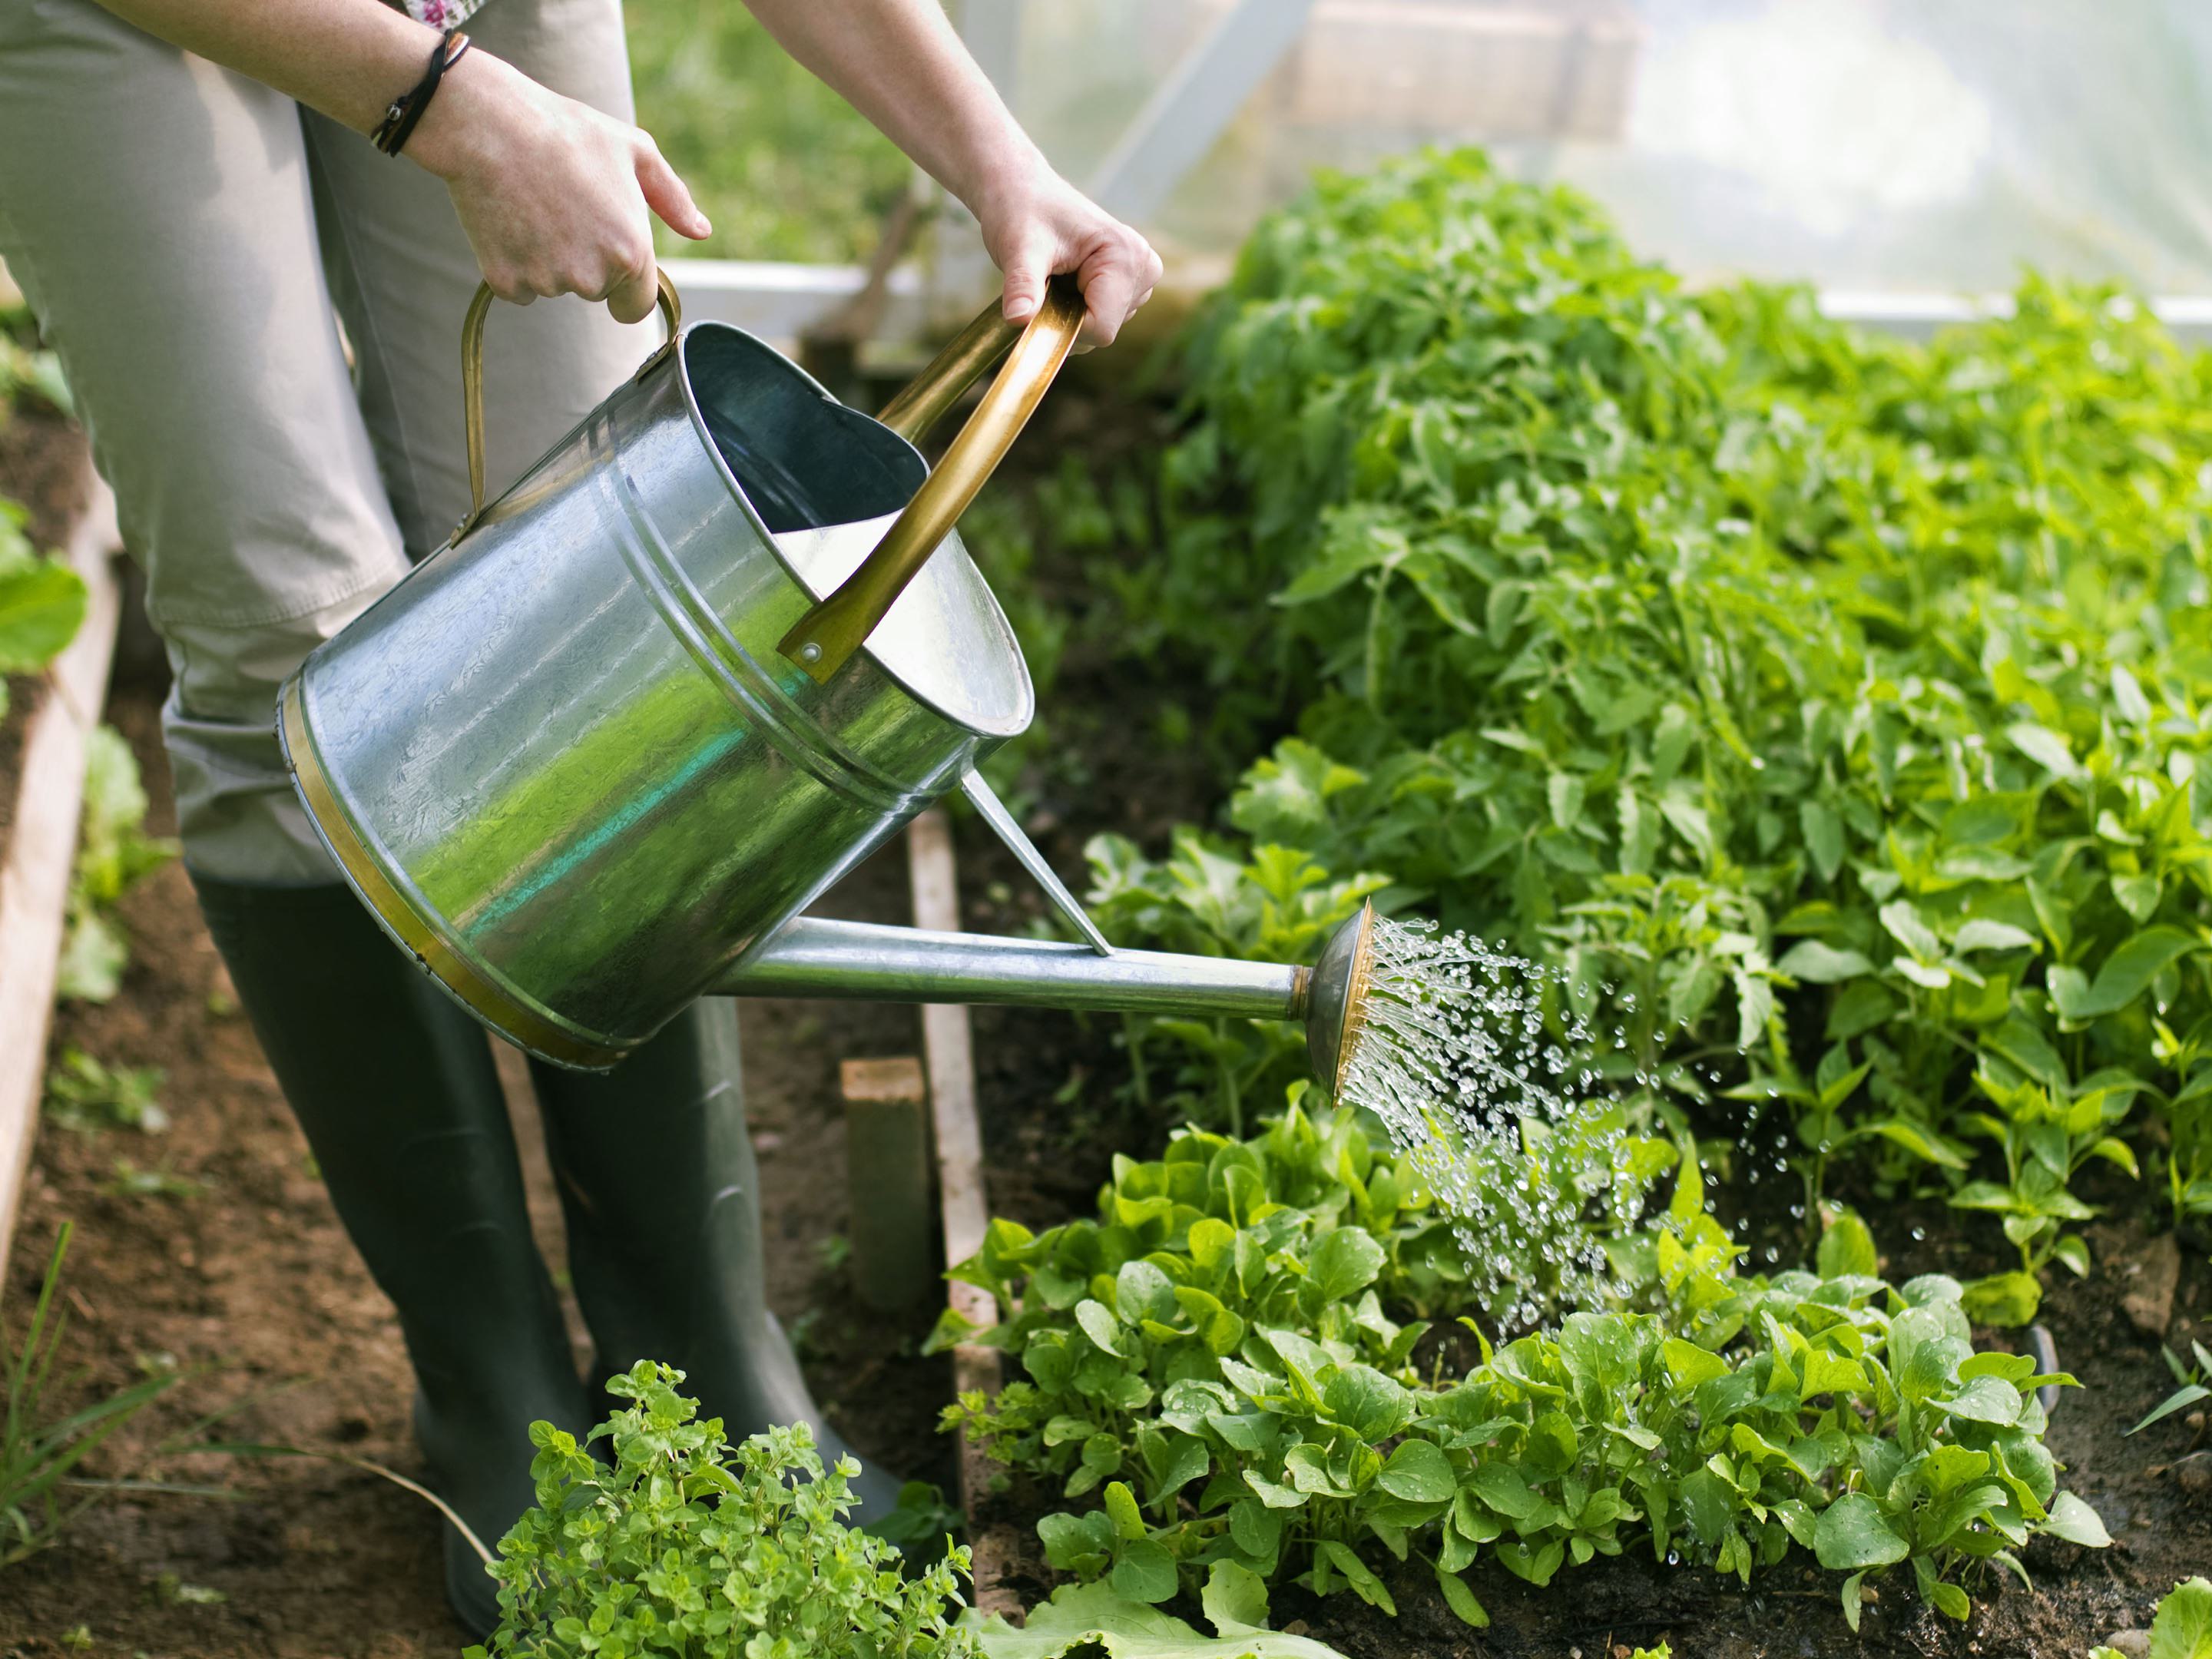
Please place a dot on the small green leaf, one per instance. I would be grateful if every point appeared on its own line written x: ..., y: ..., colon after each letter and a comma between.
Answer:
x: 1357, y: 1574
x: 1144, y: 1571
x: 2076, y: 1523
x: 2130, y: 969
x: 1949, y: 1600
x: 2045, y: 747
x: 1235, y: 1599
x: 1122, y: 1508
x: 1816, y: 963
x: 1847, y: 1248
x: 42, y: 604
x: 1852, y: 1534
x: 1419, y: 1473
x: 1098, y: 1325
x: 1461, y: 1600
x: 2007, y: 1300
x: 1346, y: 1262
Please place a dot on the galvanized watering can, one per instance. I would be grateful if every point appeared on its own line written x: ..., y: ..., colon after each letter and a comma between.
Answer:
x: 591, y: 760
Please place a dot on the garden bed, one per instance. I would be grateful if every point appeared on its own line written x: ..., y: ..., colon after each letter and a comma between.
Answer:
x: 1048, y: 1160
x: 252, y: 1278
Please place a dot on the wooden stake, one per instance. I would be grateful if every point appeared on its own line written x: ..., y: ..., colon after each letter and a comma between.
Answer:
x: 949, y: 1045
x: 887, y: 1170
x: 42, y: 845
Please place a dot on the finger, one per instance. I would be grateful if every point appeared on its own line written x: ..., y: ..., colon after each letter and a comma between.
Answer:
x: 1108, y: 297
x: 509, y: 284
x: 1029, y: 268
x: 633, y: 298
x: 668, y: 195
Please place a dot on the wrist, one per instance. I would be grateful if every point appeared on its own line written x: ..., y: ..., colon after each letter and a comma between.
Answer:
x: 1011, y: 172
x: 461, y: 126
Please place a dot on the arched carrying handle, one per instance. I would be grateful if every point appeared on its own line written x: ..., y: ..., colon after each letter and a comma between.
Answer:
x: 472, y: 327
x: 823, y: 639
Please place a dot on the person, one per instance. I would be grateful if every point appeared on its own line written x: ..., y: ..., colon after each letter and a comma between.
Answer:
x: 192, y: 200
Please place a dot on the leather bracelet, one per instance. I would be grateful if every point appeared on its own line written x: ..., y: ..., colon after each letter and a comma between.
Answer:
x: 399, y: 121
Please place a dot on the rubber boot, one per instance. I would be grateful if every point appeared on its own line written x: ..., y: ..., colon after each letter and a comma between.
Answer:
x: 395, y: 1088
x: 662, y: 1197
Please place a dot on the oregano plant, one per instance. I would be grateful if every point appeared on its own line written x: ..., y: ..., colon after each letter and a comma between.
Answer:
x: 682, y: 1543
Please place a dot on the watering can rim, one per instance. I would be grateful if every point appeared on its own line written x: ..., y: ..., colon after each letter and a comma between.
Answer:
x: 1026, y: 710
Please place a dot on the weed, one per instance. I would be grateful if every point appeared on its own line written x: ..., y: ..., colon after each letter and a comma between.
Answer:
x: 2196, y: 1384
x: 41, y: 1442
x: 88, y: 1095
x: 129, y: 1180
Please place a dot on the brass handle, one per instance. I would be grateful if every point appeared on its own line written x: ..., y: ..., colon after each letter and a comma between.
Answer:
x: 823, y: 639
x: 472, y: 327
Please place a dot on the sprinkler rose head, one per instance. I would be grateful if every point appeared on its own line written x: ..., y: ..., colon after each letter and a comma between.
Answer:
x: 1336, y: 998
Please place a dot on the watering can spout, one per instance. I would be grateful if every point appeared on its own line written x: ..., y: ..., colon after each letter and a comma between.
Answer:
x: 864, y: 960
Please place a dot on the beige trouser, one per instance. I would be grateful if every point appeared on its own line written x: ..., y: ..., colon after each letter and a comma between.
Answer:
x: 188, y: 239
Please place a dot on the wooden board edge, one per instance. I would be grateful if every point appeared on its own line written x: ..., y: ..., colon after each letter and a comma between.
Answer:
x: 949, y: 1055
x: 35, y: 875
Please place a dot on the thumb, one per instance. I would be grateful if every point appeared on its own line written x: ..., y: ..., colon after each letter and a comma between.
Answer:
x: 1029, y: 268
x: 668, y: 195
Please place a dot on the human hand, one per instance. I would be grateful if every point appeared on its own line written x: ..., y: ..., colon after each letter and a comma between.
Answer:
x: 556, y: 197
x: 1036, y: 225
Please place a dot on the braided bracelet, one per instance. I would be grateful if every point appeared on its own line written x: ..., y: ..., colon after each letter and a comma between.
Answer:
x: 399, y: 120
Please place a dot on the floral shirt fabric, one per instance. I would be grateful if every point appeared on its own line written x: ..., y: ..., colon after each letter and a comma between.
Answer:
x: 439, y: 14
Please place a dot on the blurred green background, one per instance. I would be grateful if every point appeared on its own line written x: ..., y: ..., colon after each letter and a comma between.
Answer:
x: 784, y: 167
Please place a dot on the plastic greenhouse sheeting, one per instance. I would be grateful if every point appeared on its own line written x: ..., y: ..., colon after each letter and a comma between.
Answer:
x: 1899, y: 145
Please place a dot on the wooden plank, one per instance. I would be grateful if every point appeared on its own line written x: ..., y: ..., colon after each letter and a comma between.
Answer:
x: 948, y: 1047
x: 42, y: 845
x: 887, y: 1172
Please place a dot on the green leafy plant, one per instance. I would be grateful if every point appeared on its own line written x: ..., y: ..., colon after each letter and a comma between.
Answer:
x: 681, y: 1542
x: 41, y: 601
x: 113, y: 852
x: 1220, y: 1358
x: 128, y: 1180
x: 1277, y: 906
x: 1832, y: 712
x: 2195, y: 1382
x: 2182, y: 1628
x: 86, y: 1095
x: 41, y: 1444
x: 1083, y: 1617
x: 24, y: 368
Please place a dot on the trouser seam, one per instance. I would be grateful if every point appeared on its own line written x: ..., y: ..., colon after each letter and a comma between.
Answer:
x: 372, y: 342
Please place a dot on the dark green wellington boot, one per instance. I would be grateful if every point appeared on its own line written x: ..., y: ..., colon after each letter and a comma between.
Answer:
x: 395, y: 1088
x: 662, y: 1198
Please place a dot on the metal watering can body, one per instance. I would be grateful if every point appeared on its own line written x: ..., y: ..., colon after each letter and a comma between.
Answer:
x: 586, y: 762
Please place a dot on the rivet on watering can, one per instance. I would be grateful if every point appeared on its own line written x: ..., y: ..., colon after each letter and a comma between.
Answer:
x: 810, y: 652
